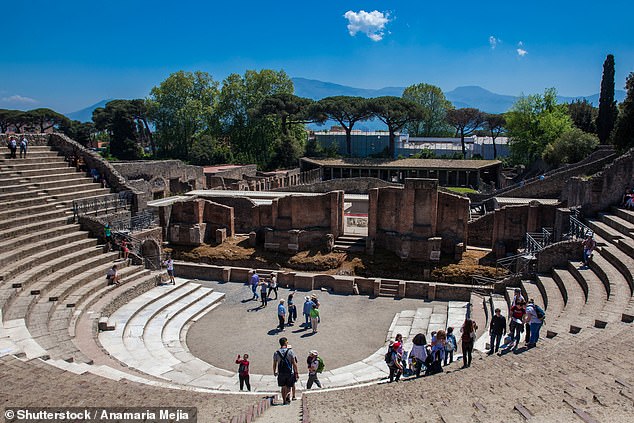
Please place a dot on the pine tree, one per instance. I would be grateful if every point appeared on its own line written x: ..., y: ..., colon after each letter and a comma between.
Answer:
x: 607, y: 104
x: 624, y: 133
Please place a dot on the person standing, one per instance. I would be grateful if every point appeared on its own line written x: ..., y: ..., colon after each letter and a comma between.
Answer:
x: 496, y: 330
x: 169, y: 263
x: 285, y: 368
x: 273, y: 285
x: 254, y: 280
x: 263, y: 288
x: 394, y: 362
x: 107, y: 232
x: 23, y: 146
x: 313, y: 361
x: 281, y: 315
x: 589, y: 244
x: 314, y: 317
x: 243, y: 371
x: 450, y: 346
x: 468, y: 337
x: 308, y: 305
x: 13, y: 146
x: 418, y: 354
x: 517, y: 297
x: 292, y: 309
x: 516, y: 326
x: 534, y: 316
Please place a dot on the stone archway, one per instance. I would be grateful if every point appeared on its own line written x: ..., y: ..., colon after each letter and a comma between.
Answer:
x: 151, y: 252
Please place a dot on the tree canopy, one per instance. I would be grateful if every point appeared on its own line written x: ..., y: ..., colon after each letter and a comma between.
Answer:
x: 126, y: 123
x: 583, y: 115
x: 395, y: 112
x: 465, y: 121
x: 434, y: 108
x: 495, y: 124
x: 570, y: 147
x: 624, y: 131
x: 607, y: 105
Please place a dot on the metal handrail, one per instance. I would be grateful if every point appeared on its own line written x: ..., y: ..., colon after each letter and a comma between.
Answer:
x: 577, y: 229
x: 104, y: 203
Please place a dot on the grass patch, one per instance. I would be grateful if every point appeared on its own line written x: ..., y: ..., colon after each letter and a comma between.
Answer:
x: 462, y: 190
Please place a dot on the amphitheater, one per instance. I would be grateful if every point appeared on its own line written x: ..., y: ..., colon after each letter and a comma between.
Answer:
x: 54, y: 301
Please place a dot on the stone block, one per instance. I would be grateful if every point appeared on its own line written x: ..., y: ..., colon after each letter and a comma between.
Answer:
x: 286, y: 279
x: 304, y: 282
x: 431, y: 292
x: 226, y: 274
x: 221, y: 235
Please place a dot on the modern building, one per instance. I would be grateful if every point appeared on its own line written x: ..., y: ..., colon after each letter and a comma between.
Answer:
x: 450, y: 173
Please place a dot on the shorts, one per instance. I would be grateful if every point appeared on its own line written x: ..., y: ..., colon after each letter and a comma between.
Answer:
x: 287, y: 380
x: 170, y: 272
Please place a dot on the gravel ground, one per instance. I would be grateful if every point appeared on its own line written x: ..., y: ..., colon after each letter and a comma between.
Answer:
x: 352, y: 328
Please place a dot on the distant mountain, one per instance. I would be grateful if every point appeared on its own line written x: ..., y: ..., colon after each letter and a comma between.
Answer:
x: 85, y: 115
x: 469, y: 96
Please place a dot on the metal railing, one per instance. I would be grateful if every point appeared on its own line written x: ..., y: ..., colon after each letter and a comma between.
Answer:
x: 518, y: 264
x: 536, y: 241
x: 576, y: 229
x: 141, y: 221
x: 104, y: 203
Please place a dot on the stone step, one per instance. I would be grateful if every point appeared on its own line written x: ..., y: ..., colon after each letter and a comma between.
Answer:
x: 30, y: 238
x: 619, y: 292
x: 29, y: 185
x: 627, y: 246
x: 32, y: 164
x: 15, y: 270
x: 624, y: 213
x: 26, y: 250
x: 621, y: 261
x: 553, y: 298
x: 6, y: 174
x: 33, y: 228
x: 532, y: 291
x: 574, y: 297
x: 604, y: 230
x: 58, y: 175
x: 623, y: 226
x: 42, y: 207
x: 594, y: 288
x: 17, y: 332
x: 437, y: 320
x: 25, y: 220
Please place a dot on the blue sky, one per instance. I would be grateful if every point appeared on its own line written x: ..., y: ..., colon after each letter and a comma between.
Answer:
x: 69, y: 54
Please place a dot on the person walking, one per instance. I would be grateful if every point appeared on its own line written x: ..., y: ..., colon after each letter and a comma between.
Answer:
x: 394, y: 362
x: 23, y: 146
x: 107, y: 232
x: 418, y: 354
x: 13, y: 146
x: 254, y: 280
x: 535, y: 317
x: 292, y: 309
x: 468, y: 337
x: 263, y: 291
x: 496, y: 330
x: 281, y: 315
x: 273, y: 285
x: 169, y: 263
x: 314, y: 362
x: 450, y: 346
x: 517, y: 297
x: 243, y: 371
x: 285, y: 368
x: 516, y: 326
x: 314, y: 317
x: 308, y: 305
x: 589, y: 244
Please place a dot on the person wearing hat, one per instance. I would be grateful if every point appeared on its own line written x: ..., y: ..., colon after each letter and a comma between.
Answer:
x: 308, y: 306
x: 395, y: 366
x: 281, y: 315
x: 313, y: 365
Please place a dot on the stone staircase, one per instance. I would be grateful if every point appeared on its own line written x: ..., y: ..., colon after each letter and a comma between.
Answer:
x: 350, y: 244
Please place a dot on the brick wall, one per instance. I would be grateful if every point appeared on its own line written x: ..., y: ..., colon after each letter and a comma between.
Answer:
x: 452, y: 223
x: 481, y: 231
x: 511, y: 223
x: 348, y: 185
x: 558, y: 254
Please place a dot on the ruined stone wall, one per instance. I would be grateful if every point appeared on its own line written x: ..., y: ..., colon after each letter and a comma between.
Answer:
x: 348, y: 185
x: 604, y: 189
x: 481, y: 231
x: 452, y: 222
x: 558, y: 254
x: 512, y: 222
x: 245, y: 216
x: 193, y: 222
x: 34, y: 139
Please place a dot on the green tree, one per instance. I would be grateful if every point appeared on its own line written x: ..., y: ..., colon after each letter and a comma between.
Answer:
x: 45, y: 119
x: 207, y: 150
x: 583, y: 115
x: 570, y: 147
x: 82, y: 132
x: 607, y: 105
x: 288, y: 108
x: 6, y: 117
x: 346, y: 110
x: 465, y: 121
x: 624, y: 131
x: 395, y: 112
x: 434, y: 107
x: 18, y: 119
x: 533, y: 122
x: 181, y: 107
x: 123, y: 120
x: 495, y: 125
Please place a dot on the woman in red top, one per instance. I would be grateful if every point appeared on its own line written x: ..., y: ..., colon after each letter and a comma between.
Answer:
x: 243, y: 371
x: 125, y: 249
x: 516, y: 327
x: 468, y: 337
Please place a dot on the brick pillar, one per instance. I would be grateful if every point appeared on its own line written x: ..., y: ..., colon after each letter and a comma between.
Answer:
x: 373, y: 203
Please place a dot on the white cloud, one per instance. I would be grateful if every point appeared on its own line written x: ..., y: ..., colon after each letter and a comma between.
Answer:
x: 493, y: 42
x: 18, y: 99
x: 521, y: 52
x: 371, y: 24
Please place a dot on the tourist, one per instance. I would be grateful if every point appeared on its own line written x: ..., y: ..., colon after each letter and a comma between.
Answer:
x: 315, y: 301
x: 125, y: 250
x: 589, y: 244
x: 285, y: 368
x: 254, y: 280
x: 418, y: 354
x: 263, y: 288
x: 107, y: 231
x: 393, y: 360
x: 517, y: 297
x: 169, y: 263
x: 314, y: 318
x: 450, y: 346
x: 243, y: 371
x: 296, y: 377
x: 273, y: 285
x: 437, y: 353
x: 112, y: 276
x: 516, y: 326
x: 496, y: 330
x: 23, y: 146
x: 401, y: 351
x: 314, y: 362
x: 468, y: 337
x: 292, y: 309
x: 535, y: 318
x: 281, y: 315
x: 13, y: 146
x: 308, y: 305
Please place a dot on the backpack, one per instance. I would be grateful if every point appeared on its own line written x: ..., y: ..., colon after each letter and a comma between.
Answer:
x: 284, y: 366
x: 321, y: 365
x: 388, y: 358
x: 541, y: 315
x: 242, y: 369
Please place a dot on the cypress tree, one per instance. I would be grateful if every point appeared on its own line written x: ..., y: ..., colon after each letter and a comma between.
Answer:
x: 607, y: 104
x: 624, y: 133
